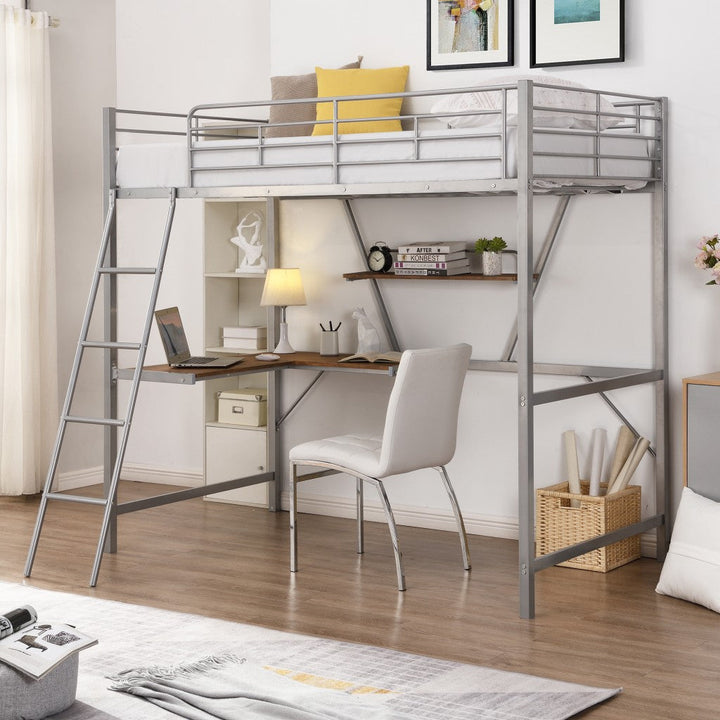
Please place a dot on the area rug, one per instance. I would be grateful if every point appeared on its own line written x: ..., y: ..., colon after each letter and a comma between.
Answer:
x: 164, y: 664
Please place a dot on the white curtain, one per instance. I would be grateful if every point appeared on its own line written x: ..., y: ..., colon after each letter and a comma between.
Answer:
x: 28, y: 345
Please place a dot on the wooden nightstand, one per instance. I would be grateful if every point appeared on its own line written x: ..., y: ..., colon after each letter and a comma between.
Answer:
x: 701, y: 430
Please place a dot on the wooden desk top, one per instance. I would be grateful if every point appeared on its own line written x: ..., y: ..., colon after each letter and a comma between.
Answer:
x: 250, y: 364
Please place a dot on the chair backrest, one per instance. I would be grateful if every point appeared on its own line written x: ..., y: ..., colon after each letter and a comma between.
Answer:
x: 422, y: 415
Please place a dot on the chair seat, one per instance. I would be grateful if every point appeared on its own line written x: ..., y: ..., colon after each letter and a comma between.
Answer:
x: 360, y: 453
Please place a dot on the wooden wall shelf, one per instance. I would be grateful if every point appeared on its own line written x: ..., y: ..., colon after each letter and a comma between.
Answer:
x: 505, y: 277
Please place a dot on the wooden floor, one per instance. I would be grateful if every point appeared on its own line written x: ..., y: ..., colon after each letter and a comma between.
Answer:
x: 231, y: 562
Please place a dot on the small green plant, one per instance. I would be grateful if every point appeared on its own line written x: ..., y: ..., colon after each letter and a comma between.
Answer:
x: 497, y: 244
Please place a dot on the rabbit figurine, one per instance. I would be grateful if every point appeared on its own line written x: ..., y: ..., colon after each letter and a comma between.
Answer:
x: 368, y: 337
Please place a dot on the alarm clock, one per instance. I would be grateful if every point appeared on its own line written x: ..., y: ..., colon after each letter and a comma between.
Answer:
x: 379, y: 258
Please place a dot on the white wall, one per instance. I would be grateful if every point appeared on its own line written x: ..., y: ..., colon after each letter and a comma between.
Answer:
x: 82, y: 51
x: 172, y: 55
x: 594, y: 304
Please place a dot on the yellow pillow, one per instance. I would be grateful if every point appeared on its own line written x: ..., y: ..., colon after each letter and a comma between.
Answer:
x: 333, y: 83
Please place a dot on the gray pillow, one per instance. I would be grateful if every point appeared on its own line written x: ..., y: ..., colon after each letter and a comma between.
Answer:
x: 296, y: 87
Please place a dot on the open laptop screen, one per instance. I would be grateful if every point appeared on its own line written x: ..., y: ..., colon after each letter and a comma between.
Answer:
x: 172, y: 335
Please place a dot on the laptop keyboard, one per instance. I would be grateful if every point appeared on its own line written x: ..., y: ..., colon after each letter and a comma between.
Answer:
x: 199, y: 360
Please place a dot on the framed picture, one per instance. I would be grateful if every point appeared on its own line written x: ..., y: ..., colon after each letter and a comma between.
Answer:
x: 469, y: 33
x: 574, y: 32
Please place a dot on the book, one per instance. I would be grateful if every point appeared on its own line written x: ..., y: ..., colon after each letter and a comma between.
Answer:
x: 429, y: 248
x: 247, y: 331
x: 432, y: 257
x: 35, y: 650
x: 432, y: 272
x: 390, y: 356
x: 235, y: 343
x: 434, y: 265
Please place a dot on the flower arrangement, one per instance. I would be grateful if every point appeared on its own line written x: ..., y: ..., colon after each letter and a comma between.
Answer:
x: 709, y: 257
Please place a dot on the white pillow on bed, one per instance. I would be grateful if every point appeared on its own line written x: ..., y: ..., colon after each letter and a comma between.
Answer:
x: 692, y: 567
x: 552, y: 97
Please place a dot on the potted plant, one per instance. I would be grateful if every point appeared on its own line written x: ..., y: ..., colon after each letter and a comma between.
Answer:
x: 491, y: 254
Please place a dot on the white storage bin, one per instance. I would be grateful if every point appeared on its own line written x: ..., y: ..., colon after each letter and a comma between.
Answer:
x: 246, y: 406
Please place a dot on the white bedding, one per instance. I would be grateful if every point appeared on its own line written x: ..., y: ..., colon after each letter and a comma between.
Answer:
x: 457, y: 154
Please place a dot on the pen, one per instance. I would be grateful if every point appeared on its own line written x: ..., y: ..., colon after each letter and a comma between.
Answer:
x: 338, y: 326
x: 321, y: 327
x: 331, y: 326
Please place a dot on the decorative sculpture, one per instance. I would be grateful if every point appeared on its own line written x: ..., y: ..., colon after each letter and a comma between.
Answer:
x: 250, y: 257
x: 368, y: 337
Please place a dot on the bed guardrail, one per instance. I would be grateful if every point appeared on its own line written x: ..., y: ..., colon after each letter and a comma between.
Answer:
x: 609, y: 121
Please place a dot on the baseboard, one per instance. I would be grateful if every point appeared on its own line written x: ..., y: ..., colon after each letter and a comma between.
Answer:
x: 475, y: 524
x: 490, y: 525
x: 133, y: 472
x: 79, y: 478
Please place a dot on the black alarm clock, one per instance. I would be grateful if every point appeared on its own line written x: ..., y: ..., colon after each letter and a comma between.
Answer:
x: 379, y: 258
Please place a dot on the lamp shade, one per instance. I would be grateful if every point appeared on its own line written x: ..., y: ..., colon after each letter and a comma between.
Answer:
x: 283, y: 286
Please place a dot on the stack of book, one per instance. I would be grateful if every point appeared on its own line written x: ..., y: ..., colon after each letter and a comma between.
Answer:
x: 247, y: 337
x: 450, y: 258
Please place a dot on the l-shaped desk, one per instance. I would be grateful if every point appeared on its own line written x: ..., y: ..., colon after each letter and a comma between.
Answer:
x: 249, y: 365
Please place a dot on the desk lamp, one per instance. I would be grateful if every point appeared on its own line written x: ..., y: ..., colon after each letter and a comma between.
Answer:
x: 283, y: 287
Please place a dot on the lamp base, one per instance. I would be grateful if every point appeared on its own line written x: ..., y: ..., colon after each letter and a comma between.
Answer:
x: 284, y: 347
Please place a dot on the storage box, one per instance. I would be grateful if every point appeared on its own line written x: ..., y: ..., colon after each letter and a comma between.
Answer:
x: 558, y: 525
x: 246, y: 406
x: 245, y: 331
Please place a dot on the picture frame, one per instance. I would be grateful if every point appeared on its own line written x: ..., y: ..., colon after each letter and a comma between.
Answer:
x: 576, y: 32
x: 469, y: 34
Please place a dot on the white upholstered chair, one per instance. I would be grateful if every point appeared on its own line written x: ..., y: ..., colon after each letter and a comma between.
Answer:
x: 420, y: 432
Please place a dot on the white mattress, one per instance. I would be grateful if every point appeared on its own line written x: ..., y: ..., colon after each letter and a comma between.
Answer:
x: 459, y: 154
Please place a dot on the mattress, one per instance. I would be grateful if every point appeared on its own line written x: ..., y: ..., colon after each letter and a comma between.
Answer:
x: 434, y: 155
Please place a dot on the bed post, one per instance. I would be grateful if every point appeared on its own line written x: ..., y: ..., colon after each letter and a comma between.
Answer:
x: 526, y: 490
x: 276, y: 461
x: 660, y: 333
x: 110, y: 443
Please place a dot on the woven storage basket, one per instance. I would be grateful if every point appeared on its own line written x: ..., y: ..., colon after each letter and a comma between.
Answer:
x: 559, y: 525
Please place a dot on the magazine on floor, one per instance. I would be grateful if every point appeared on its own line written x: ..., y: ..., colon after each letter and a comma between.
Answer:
x: 36, y: 647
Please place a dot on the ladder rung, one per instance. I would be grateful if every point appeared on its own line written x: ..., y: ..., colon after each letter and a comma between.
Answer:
x: 110, y: 345
x: 76, y: 498
x: 128, y: 270
x: 93, y: 421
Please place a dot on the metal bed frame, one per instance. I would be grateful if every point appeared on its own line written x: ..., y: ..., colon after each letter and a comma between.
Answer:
x: 636, y: 113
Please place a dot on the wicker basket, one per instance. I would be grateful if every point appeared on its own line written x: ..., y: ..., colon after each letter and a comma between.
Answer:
x: 559, y: 525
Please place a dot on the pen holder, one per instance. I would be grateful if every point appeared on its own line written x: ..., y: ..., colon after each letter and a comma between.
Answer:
x: 329, y: 342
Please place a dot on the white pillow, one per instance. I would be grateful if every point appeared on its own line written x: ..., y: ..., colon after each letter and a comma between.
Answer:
x: 551, y: 97
x: 692, y: 567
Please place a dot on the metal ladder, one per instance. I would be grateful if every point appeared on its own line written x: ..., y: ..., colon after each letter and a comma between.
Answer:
x: 109, y: 501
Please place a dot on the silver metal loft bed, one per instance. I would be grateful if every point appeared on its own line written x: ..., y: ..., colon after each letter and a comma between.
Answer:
x: 519, y: 139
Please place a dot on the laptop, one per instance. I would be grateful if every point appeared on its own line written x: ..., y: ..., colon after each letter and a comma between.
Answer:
x: 174, y: 340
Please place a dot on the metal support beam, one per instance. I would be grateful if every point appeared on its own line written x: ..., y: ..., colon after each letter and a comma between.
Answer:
x: 526, y: 482
x: 543, y: 257
x: 596, y: 386
x: 201, y: 491
x: 374, y: 288
x: 660, y: 336
x: 110, y: 358
x: 572, y: 551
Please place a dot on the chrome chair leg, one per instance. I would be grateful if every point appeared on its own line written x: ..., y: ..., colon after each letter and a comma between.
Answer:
x: 360, y: 515
x: 293, y: 517
x: 393, y: 533
x: 458, y: 516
